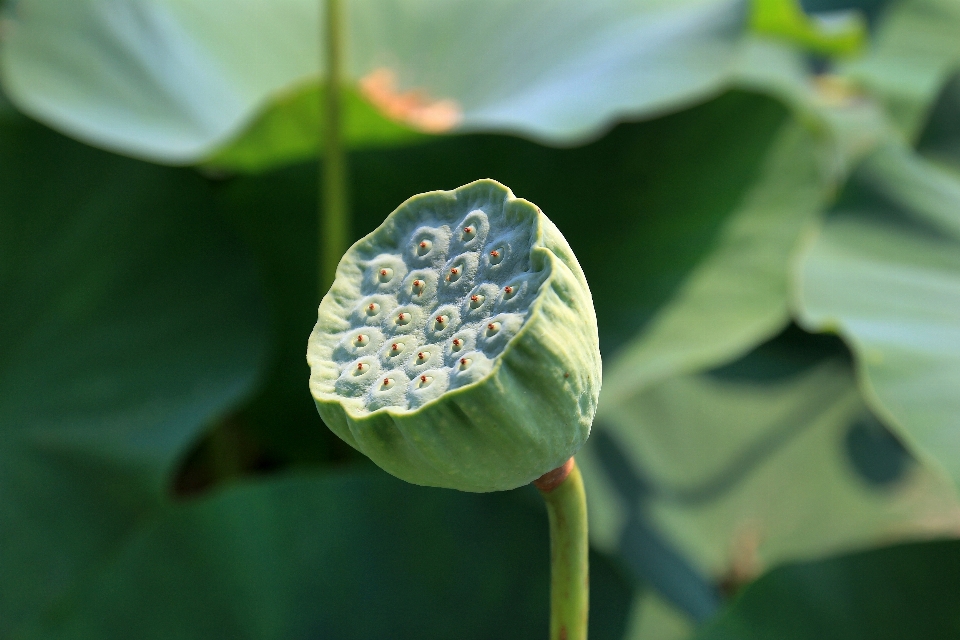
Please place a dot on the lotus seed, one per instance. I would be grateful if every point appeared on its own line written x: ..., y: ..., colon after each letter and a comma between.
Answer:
x: 493, y: 327
x: 362, y: 339
x: 465, y: 362
x: 457, y: 343
x: 403, y: 318
x: 423, y: 247
x: 385, y: 275
x: 373, y: 309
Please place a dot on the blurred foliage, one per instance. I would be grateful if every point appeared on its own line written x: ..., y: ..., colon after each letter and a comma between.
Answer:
x: 731, y: 192
x: 905, y: 591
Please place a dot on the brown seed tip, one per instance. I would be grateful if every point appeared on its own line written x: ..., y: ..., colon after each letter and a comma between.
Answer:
x: 420, y: 356
x: 495, y: 254
x: 491, y: 327
x: 463, y: 361
x: 508, y: 289
x: 383, y: 272
x: 456, y: 342
x: 423, y: 245
x: 423, y: 378
x: 468, y: 229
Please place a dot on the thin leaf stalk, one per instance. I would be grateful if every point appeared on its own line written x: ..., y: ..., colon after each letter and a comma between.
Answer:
x: 334, y: 227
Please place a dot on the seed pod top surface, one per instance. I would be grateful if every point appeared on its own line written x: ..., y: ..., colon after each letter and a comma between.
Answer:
x: 458, y: 344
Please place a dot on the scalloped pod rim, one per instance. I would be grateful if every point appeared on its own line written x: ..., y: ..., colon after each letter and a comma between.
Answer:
x: 528, y: 414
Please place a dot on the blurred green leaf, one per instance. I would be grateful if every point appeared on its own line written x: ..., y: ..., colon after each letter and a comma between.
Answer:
x: 289, y: 130
x: 173, y: 81
x: 350, y: 555
x: 736, y: 296
x: 839, y: 34
x: 652, y: 618
x: 897, y: 593
x: 885, y: 274
x: 629, y: 195
x: 913, y: 52
x: 770, y: 458
x: 941, y: 134
x: 130, y: 321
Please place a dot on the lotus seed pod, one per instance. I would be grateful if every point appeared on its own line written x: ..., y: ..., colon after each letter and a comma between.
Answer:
x: 458, y: 344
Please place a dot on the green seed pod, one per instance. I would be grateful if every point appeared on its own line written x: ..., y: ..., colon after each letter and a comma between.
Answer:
x: 458, y: 344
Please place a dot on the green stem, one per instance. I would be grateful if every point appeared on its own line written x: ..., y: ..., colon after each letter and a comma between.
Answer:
x: 334, y: 214
x: 562, y: 490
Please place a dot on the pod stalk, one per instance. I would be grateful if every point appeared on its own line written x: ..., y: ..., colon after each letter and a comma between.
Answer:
x: 562, y: 490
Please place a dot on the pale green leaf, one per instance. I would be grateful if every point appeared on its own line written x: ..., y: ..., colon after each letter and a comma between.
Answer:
x: 885, y: 274
x: 915, y: 48
x: 737, y: 295
x: 175, y: 80
x: 652, y: 618
x: 771, y: 458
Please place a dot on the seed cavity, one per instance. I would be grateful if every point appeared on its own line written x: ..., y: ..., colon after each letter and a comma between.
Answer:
x: 385, y: 274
